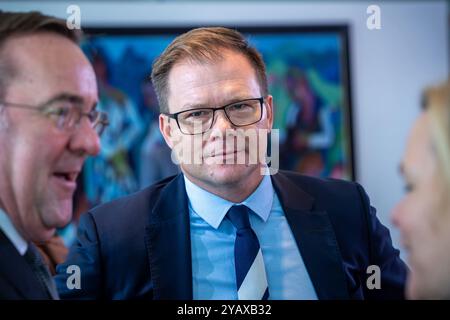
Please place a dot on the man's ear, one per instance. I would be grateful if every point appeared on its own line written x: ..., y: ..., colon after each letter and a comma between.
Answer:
x: 269, y: 111
x: 166, y: 129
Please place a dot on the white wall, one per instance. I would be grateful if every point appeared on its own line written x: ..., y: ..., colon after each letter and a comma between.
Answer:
x: 389, y: 66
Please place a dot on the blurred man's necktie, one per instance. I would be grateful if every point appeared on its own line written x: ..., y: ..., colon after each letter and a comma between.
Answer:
x: 41, y: 271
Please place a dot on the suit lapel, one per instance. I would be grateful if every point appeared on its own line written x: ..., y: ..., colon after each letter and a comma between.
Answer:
x: 315, y: 238
x: 15, y: 270
x: 169, y: 245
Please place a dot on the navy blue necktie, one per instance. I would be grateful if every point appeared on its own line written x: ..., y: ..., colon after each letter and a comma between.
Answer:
x: 251, y: 279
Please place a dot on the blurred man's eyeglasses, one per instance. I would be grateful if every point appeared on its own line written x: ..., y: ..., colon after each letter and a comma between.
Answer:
x: 66, y: 112
x: 201, y: 120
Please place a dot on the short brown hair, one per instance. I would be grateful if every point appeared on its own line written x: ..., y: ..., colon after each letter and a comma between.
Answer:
x: 21, y: 23
x: 200, y: 45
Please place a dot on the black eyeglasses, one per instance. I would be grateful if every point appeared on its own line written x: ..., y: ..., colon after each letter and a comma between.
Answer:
x: 200, y: 120
x: 66, y: 112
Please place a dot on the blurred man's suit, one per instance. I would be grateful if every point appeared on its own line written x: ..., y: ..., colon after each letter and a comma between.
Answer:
x: 139, y: 246
x: 17, y: 279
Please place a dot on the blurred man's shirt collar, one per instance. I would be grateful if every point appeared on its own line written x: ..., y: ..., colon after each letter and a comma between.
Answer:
x: 11, y: 233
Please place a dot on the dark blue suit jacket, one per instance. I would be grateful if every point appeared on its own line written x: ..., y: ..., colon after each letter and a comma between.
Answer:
x: 139, y: 246
x: 17, y: 280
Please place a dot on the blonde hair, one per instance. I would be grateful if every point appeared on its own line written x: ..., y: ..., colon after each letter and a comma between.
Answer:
x: 437, y: 104
x: 203, y: 45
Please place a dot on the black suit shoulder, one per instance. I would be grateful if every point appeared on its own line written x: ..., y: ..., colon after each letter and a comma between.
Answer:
x: 17, y: 280
x: 339, y: 197
x: 347, y: 206
x: 323, y: 187
x: 128, y: 209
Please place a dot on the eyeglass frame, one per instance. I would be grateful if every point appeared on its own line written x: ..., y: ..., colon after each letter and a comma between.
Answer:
x: 175, y: 115
x: 41, y: 108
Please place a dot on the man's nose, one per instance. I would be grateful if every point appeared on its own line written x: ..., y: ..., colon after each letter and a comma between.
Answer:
x: 85, y: 139
x: 221, y: 121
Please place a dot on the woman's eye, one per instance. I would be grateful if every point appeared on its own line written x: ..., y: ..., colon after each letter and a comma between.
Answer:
x: 408, y: 187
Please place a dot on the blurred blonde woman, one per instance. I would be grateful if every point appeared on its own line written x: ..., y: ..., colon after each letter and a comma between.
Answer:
x: 423, y: 215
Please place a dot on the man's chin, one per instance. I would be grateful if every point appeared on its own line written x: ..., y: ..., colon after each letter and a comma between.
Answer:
x: 59, y: 215
x: 43, y: 234
x: 220, y: 174
x: 231, y: 173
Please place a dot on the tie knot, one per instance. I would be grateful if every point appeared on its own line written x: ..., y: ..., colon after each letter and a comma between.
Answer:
x: 238, y: 216
x: 32, y: 255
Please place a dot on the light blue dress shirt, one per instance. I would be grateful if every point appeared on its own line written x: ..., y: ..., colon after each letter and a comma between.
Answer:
x: 212, y: 245
x: 11, y: 233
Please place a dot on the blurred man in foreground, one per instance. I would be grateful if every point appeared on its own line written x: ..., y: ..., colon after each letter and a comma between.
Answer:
x: 48, y: 124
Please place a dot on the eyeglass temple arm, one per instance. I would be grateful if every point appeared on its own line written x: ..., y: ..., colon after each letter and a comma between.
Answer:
x: 170, y: 115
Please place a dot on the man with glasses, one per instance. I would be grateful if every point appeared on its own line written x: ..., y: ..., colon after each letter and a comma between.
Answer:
x: 48, y: 126
x: 224, y: 228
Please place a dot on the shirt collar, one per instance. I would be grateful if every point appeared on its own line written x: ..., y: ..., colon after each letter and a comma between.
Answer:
x: 213, y: 209
x: 11, y: 233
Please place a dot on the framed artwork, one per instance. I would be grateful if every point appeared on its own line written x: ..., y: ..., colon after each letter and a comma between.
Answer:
x: 309, y: 79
